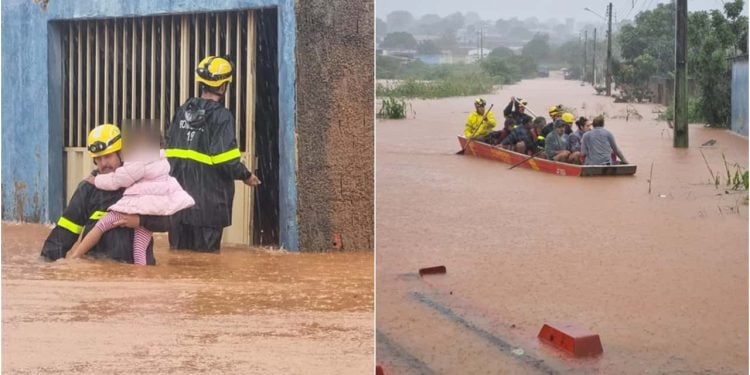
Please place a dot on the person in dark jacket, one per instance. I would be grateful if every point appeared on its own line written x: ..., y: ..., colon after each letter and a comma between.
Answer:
x: 89, y: 204
x: 497, y: 137
x: 522, y: 138
x: 554, y: 113
x: 203, y: 153
x: 516, y: 110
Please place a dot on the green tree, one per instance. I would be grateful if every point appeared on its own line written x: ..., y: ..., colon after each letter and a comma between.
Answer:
x: 453, y: 22
x: 502, y: 52
x: 502, y: 26
x: 500, y: 69
x: 652, y: 33
x: 427, y: 47
x: 429, y: 24
x: 526, y: 65
x: 400, y: 20
x: 738, y: 25
x: 647, y: 47
x: 537, y: 48
x: 400, y: 40
x: 381, y: 28
x: 447, y: 41
x: 472, y: 18
x: 570, y: 53
x: 509, y: 69
x: 519, y: 33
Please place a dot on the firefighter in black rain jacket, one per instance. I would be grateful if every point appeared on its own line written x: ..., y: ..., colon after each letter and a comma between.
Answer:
x: 205, y: 159
x: 89, y: 204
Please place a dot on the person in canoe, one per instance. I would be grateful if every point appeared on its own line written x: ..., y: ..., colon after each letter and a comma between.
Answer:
x: 497, y: 137
x: 556, y: 146
x: 554, y: 113
x: 598, y: 145
x: 516, y: 110
x: 479, y: 124
x: 574, y: 140
x: 523, y: 137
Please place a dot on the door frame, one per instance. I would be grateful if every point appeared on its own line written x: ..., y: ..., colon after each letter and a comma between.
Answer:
x: 90, y: 9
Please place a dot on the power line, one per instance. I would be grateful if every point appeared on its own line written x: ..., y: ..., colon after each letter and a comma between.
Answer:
x: 631, y: 9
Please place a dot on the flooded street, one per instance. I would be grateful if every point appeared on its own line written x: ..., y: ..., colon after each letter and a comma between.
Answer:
x: 242, y: 311
x: 661, y: 276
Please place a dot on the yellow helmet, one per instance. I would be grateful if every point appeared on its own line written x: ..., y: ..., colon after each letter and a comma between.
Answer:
x: 568, y: 118
x: 554, y: 110
x: 214, y: 71
x: 479, y: 102
x: 104, y: 140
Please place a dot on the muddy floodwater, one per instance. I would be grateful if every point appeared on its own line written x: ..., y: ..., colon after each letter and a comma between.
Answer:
x: 661, y: 276
x: 240, y: 312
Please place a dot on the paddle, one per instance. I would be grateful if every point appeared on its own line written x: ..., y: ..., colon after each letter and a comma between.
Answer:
x: 525, y: 160
x: 527, y: 108
x: 475, y: 131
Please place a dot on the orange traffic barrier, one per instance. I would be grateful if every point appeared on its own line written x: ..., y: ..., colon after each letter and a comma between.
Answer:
x: 577, y: 341
x: 432, y: 270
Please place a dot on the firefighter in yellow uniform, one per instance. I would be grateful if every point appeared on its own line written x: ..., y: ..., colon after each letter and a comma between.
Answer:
x: 479, y: 124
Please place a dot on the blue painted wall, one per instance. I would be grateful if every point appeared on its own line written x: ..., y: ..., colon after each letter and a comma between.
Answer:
x: 32, y: 180
x: 739, y: 97
x: 26, y: 166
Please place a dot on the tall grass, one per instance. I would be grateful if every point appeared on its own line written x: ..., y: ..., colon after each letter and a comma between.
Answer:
x: 392, y: 108
x: 419, y: 80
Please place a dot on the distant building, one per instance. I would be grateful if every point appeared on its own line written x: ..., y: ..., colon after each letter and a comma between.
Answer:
x: 436, y: 59
x: 396, y: 52
x: 476, y: 54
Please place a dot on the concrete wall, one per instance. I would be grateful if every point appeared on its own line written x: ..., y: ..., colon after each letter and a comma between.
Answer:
x: 335, y: 123
x: 32, y: 180
x: 739, y: 97
x: 27, y: 164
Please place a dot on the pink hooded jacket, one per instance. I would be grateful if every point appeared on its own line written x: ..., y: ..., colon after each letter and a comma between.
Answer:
x: 150, y: 188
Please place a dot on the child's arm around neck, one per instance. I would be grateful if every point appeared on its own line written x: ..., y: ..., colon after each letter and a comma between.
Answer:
x: 122, y: 177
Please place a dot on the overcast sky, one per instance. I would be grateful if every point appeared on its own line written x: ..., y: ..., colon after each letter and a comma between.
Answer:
x: 541, y: 9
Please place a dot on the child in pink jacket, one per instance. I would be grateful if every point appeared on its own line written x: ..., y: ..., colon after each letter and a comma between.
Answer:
x: 150, y: 191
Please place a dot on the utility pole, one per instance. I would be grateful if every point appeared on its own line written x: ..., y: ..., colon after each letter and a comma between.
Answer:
x: 585, y: 48
x: 481, y: 43
x: 680, y: 79
x: 593, y: 63
x: 609, y: 52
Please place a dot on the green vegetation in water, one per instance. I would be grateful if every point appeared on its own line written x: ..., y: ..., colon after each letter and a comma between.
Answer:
x: 454, y: 86
x: 420, y: 80
x: 737, y: 177
x: 695, y: 115
x: 392, y: 108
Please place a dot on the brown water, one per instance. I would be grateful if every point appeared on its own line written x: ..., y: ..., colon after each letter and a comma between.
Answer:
x: 661, y: 277
x: 243, y: 311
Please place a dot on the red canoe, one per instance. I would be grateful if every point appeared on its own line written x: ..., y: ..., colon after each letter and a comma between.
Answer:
x: 487, y: 151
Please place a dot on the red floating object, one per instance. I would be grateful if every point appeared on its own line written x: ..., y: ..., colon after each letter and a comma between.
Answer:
x: 432, y: 270
x: 379, y: 370
x: 572, y: 339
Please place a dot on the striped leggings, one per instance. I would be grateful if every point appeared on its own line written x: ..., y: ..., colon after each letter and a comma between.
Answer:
x: 141, y: 236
